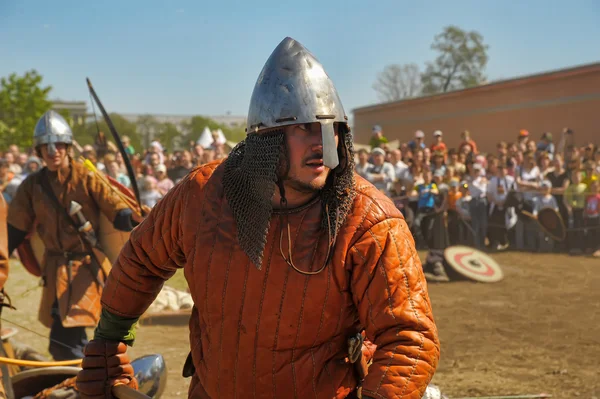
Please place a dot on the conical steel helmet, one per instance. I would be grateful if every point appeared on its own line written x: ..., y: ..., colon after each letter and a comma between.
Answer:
x: 293, y: 88
x: 52, y: 128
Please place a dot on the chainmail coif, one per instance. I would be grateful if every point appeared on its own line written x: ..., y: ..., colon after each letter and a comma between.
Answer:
x: 249, y: 183
x: 250, y: 179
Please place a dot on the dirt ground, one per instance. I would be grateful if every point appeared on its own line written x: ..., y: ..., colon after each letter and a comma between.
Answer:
x: 537, y: 331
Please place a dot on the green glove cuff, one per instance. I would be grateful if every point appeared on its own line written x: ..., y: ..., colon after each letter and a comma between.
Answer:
x: 113, y: 327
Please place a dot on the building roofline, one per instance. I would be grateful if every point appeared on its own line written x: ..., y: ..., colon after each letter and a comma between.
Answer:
x: 516, y: 81
x: 179, y: 115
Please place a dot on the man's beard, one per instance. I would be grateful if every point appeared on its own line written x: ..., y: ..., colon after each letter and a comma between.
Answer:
x: 303, y: 187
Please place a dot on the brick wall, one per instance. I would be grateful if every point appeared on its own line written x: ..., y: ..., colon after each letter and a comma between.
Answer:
x: 546, y: 102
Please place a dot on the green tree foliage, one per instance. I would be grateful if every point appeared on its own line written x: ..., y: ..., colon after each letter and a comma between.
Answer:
x: 460, y: 64
x: 86, y: 134
x: 148, y: 127
x: 397, y: 82
x: 168, y: 135
x: 23, y: 100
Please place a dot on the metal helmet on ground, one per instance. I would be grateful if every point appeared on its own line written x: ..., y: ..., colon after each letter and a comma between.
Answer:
x: 50, y: 129
x: 293, y: 88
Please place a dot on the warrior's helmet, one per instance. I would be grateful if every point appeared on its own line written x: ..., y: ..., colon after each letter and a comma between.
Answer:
x: 50, y: 129
x: 292, y: 89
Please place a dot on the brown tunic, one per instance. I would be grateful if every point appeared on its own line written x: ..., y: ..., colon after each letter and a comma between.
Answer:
x: 275, y: 333
x: 31, y: 208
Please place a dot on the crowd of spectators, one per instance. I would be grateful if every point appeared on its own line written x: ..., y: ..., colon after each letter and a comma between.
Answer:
x: 448, y: 195
x: 490, y: 200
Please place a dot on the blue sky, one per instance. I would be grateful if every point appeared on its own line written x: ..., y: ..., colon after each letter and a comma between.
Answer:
x: 200, y: 57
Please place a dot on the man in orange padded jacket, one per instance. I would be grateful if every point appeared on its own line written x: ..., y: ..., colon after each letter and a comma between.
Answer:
x: 287, y: 253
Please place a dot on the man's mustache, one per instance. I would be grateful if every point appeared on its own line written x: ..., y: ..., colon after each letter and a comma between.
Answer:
x: 317, y: 156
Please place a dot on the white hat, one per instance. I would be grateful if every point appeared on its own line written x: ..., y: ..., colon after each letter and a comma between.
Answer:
x: 161, y: 168
x: 419, y: 134
x: 437, y: 133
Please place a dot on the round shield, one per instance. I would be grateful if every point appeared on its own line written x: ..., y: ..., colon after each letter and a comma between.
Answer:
x: 552, y: 223
x: 472, y: 264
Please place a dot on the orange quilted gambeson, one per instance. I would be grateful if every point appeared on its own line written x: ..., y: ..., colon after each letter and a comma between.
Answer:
x: 275, y: 333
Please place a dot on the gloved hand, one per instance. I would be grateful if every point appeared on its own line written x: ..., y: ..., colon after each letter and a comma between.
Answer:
x: 105, y: 364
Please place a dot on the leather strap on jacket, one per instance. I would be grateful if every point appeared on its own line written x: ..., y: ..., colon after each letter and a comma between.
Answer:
x: 45, y: 183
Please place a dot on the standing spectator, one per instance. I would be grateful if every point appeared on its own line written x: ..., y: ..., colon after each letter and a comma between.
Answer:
x: 363, y: 165
x: 463, y: 208
x: 501, y: 149
x: 400, y: 170
x: 528, y: 173
x: 198, y: 154
x: 513, y: 149
x: 498, y: 189
x: 207, y: 156
x: 592, y: 217
x: 450, y: 175
x: 419, y: 158
x: 418, y: 143
x: 121, y: 162
x: 129, y: 149
x: 396, y: 160
x: 467, y: 141
x: 531, y: 147
x: 113, y: 170
x: 528, y: 179
x: 155, y: 150
x: 559, y: 179
x: 427, y: 192
x: 219, y: 151
x: 575, y: 196
x: 406, y: 153
x: 454, y: 194
x: 427, y: 158
x: 438, y: 179
x: 15, y: 150
x: 522, y: 139
x: 546, y: 145
x: 381, y: 174
x: 32, y: 165
x: 588, y: 153
x: 544, y: 164
x: 153, y: 159
x: 22, y: 159
x: 545, y: 200
x: 163, y: 184
x: 438, y: 145
x: 590, y: 173
x: 453, y: 161
x: 478, y: 206
x: 378, y: 140
x: 492, y: 166
x: 573, y: 165
x: 149, y: 194
x: 438, y: 163
x: 466, y: 151
x: 183, y: 166
x: 9, y: 157
x: 5, y: 177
